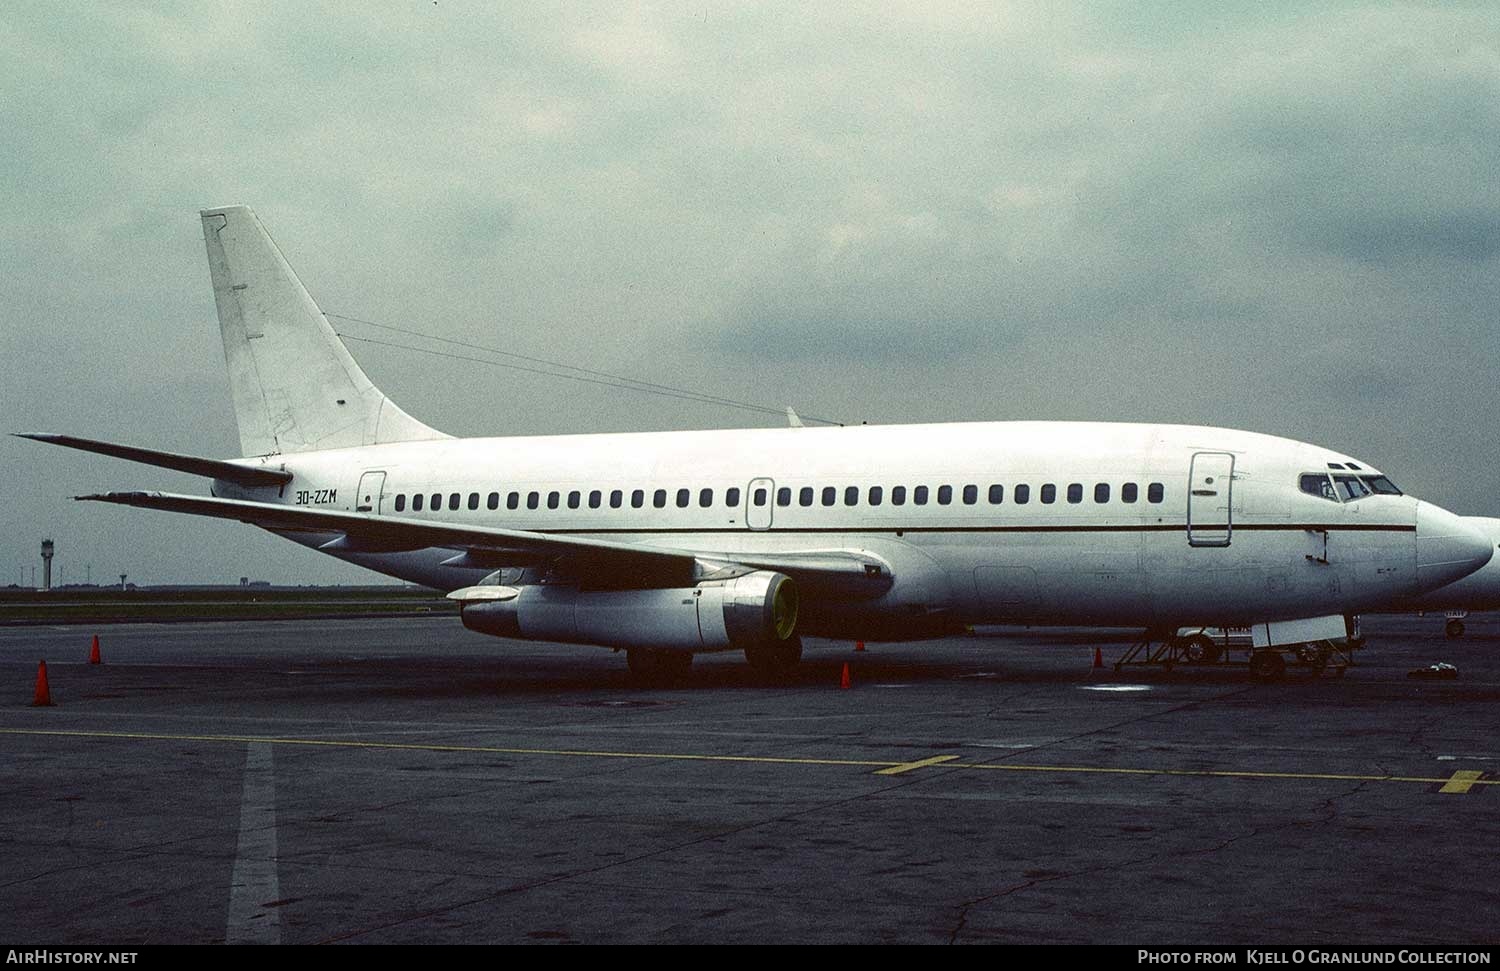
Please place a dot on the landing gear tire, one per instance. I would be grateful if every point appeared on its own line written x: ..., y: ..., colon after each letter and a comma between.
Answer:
x: 1267, y: 666
x: 1201, y: 649
x: 1454, y: 628
x: 658, y: 667
x: 1314, y: 656
x: 775, y: 661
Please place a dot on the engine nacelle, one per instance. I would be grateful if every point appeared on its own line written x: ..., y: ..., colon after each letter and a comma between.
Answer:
x: 755, y: 610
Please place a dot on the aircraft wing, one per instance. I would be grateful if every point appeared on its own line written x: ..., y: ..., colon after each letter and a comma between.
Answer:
x: 852, y: 574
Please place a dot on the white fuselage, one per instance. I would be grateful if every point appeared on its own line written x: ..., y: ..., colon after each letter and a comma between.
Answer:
x: 1124, y: 524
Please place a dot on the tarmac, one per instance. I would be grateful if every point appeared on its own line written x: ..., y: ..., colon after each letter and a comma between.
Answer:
x: 405, y: 780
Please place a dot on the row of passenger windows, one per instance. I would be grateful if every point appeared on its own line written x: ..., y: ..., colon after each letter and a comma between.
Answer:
x: 805, y: 496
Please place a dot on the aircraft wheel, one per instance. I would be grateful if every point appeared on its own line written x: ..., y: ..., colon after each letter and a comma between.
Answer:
x: 658, y: 667
x: 775, y: 660
x: 1201, y: 649
x: 1267, y: 665
x: 1454, y: 628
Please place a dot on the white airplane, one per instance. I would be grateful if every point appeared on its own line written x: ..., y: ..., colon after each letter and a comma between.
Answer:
x: 668, y: 544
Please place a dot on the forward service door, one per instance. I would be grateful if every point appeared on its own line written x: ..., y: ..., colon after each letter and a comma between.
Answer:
x: 1210, y: 481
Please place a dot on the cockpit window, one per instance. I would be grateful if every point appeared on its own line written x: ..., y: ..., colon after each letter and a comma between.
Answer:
x: 1351, y: 488
x: 1343, y: 487
x: 1318, y: 484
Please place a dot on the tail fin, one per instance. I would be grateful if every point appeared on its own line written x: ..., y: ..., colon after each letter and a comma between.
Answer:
x: 295, y: 386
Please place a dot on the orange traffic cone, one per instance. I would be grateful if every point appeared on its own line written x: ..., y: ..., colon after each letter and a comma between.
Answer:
x: 859, y: 645
x: 1098, y: 657
x: 43, y: 693
x: 844, y: 678
x: 94, y: 652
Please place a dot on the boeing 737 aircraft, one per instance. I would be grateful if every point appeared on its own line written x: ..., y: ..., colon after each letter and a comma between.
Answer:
x: 672, y: 543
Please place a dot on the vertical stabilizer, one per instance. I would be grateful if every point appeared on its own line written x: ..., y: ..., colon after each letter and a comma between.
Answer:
x: 296, y: 388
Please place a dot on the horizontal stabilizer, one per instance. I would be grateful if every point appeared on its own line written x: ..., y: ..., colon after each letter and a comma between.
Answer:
x: 245, y: 475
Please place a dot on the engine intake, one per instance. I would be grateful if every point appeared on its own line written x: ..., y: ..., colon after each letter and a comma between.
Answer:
x: 755, y: 610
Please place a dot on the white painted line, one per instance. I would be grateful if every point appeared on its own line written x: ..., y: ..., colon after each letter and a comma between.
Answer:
x: 254, y: 882
x: 1117, y: 687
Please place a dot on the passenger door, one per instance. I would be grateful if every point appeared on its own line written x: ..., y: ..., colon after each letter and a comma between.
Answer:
x: 1210, y: 499
x: 367, y: 498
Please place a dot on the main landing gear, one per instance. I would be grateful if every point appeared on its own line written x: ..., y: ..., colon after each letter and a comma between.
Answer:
x: 653, y: 666
x: 775, y: 661
x: 658, y: 667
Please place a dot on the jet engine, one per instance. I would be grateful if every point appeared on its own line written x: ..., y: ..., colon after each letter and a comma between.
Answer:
x: 751, y: 611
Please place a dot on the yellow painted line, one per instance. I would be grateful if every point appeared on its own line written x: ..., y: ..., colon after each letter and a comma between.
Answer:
x: 1219, y: 773
x: 922, y: 763
x: 1462, y: 781
x: 1465, y: 778
x: 428, y: 747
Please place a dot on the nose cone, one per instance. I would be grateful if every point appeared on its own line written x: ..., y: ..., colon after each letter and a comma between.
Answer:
x: 1448, y: 547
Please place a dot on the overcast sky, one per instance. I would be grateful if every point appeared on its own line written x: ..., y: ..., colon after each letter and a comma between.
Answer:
x: 1280, y: 217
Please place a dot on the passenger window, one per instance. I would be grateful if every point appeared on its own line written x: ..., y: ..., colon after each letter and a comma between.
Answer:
x: 876, y: 494
x: 758, y: 497
x: 1049, y: 493
x: 473, y: 500
x: 705, y: 497
x: 552, y: 499
x: 616, y: 498
x: 732, y: 497
x: 1075, y: 492
x: 829, y: 495
x: 574, y: 498
x: 919, y: 496
x: 784, y: 496
x: 1023, y: 494
x: 416, y: 502
x: 596, y: 498
x: 1155, y: 492
x: 1317, y: 484
x: 1128, y: 492
x: 493, y: 501
x: 684, y: 496
x: 513, y: 501
x: 898, y: 495
x: 805, y: 496
x: 400, y: 502
x: 533, y: 500
x: 637, y: 498
x: 971, y: 495
x: 437, y: 502
x: 659, y: 498
x: 453, y: 500
x: 851, y: 495
x: 997, y: 494
x: 1101, y: 492
x: 945, y: 495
